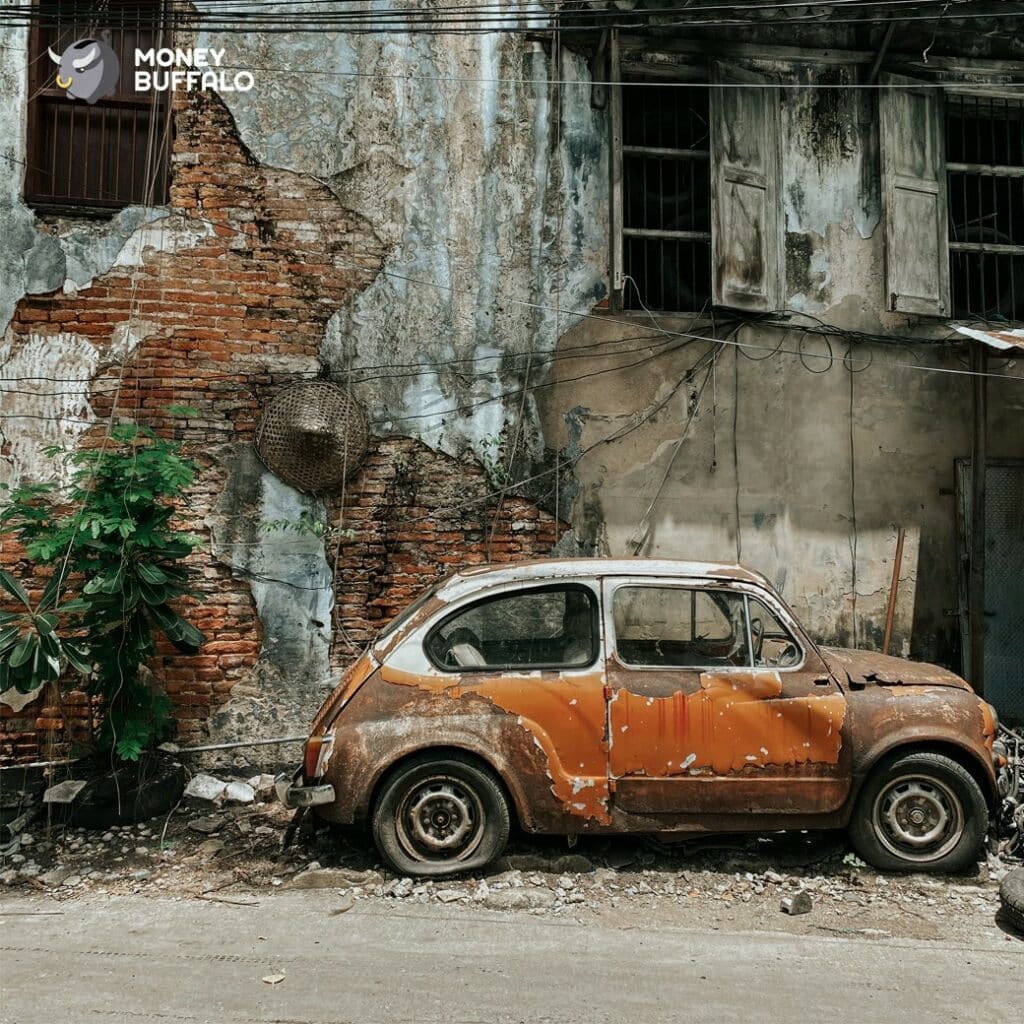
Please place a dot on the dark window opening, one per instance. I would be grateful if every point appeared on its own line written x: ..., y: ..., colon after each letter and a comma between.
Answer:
x: 105, y: 155
x: 549, y: 627
x: 666, y: 189
x: 680, y: 628
x: 985, y: 166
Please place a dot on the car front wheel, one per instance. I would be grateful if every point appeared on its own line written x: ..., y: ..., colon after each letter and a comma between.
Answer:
x: 920, y: 812
x: 440, y: 815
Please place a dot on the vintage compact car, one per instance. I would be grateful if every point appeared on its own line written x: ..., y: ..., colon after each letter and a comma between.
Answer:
x: 611, y: 696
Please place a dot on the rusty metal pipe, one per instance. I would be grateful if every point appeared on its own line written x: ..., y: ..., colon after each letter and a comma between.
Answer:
x: 890, y: 612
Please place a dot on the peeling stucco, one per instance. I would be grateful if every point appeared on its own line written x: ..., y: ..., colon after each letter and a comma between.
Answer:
x: 291, y: 583
x: 494, y: 225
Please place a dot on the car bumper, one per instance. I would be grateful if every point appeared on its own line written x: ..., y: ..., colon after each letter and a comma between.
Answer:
x: 292, y: 793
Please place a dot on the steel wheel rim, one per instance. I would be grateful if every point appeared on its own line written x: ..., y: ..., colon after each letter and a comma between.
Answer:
x: 918, y: 818
x: 440, y: 819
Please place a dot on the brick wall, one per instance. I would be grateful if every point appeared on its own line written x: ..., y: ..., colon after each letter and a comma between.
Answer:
x: 417, y: 515
x: 225, y: 322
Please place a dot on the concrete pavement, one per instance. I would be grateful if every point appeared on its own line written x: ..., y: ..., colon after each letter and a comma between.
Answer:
x: 140, y: 960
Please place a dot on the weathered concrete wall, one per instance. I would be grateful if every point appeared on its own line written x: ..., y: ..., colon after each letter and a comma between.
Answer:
x: 813, y: 474
x: 488, y: 184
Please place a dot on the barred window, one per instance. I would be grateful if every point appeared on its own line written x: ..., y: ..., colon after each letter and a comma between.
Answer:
x: 666, y: 180
x: 695, y: 187
x: 101, y: 153
x: 985, y: 168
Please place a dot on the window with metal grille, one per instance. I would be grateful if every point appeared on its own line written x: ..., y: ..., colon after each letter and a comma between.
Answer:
x: 110, y: 154
x: 985, y: 168
x: 666, y: 196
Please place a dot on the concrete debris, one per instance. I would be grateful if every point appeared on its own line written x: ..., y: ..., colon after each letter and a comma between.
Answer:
x: 798, y: 903
x: 239, y: 793
x: 451, y: 895
x: 334, y: 878
x: 206, y: 787
x: 56, y: 876
x: 206, y: 825
x: 263, y: 787
x: 64, y: 792
x: 180, y: 856
x: 526, y: 898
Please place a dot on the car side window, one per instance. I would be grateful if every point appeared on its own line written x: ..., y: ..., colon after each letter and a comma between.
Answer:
x: 547, y: 627
x: 680, y: 626
x: 773, y: 644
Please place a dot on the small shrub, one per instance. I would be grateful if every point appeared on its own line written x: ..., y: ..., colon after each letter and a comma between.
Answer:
x: 108, y: 541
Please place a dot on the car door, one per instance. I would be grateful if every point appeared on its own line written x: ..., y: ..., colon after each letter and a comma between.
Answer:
x: 705, y: 716
x: 535, y: 651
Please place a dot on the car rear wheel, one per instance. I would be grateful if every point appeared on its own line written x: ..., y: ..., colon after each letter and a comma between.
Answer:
x: 920, y: 812
x: 440, y: 815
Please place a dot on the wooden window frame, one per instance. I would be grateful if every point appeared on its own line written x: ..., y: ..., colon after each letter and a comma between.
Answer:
x: 769, y: 294
x: 159, y: 132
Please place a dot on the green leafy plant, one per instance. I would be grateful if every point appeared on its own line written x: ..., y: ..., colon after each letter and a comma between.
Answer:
x: 490, y: 458
x: 108, y: 540
x: 32, y: 650
x: 307, y: 525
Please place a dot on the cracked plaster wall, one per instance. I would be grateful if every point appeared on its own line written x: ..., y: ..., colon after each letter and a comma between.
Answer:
x: 492, y: 195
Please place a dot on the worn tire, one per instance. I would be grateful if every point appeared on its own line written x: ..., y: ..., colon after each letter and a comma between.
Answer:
x: 440, y: 814
x: 1011, y: 893
x: 906, y: 787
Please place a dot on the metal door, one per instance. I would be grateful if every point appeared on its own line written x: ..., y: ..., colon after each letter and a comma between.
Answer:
x: 1004, y: 581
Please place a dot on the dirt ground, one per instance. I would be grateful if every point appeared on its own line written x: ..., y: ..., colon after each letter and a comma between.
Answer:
x: 231, y: 854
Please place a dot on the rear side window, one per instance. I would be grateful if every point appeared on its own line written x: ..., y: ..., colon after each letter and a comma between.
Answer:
x: 680, y: 627
x: 547, y: 627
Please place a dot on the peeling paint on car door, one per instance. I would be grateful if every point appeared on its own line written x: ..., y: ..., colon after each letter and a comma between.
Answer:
x: 733, y: 739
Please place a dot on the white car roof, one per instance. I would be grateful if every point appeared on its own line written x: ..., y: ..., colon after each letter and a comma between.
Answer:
x: 475, y: 577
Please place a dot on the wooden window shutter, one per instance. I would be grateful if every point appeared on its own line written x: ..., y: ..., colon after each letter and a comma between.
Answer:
x: 746, y: 222
x: 914, y: 198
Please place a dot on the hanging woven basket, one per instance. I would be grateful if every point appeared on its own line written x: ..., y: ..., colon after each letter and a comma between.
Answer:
x: 312, y: 436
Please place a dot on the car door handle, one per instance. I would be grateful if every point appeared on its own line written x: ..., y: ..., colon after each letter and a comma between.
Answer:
x: 823, y: 681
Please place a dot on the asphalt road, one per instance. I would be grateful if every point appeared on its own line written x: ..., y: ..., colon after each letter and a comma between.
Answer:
x: 139, y: 959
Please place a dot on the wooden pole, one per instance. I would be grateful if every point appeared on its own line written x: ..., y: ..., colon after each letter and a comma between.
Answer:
x: 890, y: 613
x: 976, y: 574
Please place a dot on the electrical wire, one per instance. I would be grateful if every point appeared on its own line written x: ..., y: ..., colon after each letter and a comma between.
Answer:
x: 476, y: 19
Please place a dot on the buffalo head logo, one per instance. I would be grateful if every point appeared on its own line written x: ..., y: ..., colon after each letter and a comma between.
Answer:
x: 87, y: 69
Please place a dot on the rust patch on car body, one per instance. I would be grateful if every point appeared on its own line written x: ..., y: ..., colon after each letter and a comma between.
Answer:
x: 732, y: 722
x: 861, y: 668
x: 393, y: 716
x: 564, y: 714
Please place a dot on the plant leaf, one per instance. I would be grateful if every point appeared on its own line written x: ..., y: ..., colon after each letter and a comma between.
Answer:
x: 13, y: 587
x: 151, y: 573
x: 8, y: 638
x: 76, y: 658
x: 23, y: 651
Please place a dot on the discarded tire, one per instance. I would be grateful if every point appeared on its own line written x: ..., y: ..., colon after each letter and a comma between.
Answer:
x: 130, y: 794
x: 1011, y: 892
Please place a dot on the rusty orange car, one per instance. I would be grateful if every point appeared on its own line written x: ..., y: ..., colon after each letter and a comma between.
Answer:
x: 607, y: 696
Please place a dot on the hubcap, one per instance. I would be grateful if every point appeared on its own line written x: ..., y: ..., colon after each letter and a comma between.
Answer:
x: 440, y: 819
x: 918, y: 818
